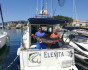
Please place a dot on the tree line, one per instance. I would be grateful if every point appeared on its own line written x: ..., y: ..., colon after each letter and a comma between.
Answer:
x: 64, y: 17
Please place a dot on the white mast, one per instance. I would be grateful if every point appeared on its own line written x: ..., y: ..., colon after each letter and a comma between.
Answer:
x: 74, y: 10
x: 51, y: 7
x: 37, y: 8
x: 41, y: 4
x: 41, y: 12
x: 46, y: 4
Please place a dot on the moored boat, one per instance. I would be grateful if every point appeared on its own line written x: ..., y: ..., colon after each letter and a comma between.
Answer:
x: 78, y: 42
x: 3, y: 39
x: 31, y: 58
x: 44, y: 59
x: 3, y: 34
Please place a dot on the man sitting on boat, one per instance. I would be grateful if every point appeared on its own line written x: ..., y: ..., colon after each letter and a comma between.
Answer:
x: 54, y: 35
x: 40, y: 34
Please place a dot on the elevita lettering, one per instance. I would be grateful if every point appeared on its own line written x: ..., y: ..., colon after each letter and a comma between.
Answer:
x: 53, y: 54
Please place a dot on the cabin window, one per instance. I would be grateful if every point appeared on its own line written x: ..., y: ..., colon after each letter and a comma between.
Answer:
x: 34, y: 29
x: 45, y: 28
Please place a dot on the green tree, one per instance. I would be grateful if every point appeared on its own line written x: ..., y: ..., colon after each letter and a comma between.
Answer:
x: 64, y: 17
x: 86, y: 25
x: 74, y: 25
x: 80, y: 25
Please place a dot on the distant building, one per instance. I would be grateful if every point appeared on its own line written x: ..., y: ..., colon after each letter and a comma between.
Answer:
x: 11, y: 24
x: 78, y: 23
x: 19, y: 25
x: 57, y: 26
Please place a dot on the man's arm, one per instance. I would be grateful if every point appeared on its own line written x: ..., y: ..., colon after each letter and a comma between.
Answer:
x: 51, y: 36
x: 34, y: 36
x: 58, y: 36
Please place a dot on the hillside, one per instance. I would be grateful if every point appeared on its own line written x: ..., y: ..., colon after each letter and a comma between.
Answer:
x: 64, y: 17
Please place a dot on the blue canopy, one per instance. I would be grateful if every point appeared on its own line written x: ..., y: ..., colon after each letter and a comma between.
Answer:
x: 50, y: 21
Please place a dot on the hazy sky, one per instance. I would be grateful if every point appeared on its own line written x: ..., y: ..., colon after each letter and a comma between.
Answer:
x: 14, y: 10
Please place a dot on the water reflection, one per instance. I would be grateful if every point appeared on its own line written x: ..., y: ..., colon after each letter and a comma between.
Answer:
x: 7, y: 56
x: 4, y: 52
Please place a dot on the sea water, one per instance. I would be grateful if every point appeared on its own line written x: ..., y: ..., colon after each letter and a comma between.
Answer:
x: 10, y: 50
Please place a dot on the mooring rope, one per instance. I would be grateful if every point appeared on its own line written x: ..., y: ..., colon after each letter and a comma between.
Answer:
x: 11, y: 63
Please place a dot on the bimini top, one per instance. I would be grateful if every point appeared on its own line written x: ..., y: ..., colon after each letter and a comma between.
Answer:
x: 50, y: 21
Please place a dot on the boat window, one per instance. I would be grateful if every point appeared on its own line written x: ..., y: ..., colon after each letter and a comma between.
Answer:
x: 80, y: 39
x: 34, y: 29
x: 50, y: 29
x: 46, y: 39
x: 47, y: 29
x: 44, y: 29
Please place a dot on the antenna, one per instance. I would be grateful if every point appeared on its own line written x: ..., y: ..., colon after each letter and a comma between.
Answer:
x: 43, y: 12
x: 41, y: 8
x: 37, y: 3
x: 74, y: 10
x: 37, y: 8
x: 46, y: 4
x: 51, y: 7
x: 41, y: 5
x: 55, y: 9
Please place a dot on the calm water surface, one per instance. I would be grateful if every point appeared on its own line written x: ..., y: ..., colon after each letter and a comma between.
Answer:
x: 9, y: 52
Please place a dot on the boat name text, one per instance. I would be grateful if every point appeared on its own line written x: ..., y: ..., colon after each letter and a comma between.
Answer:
x: 53, y: 54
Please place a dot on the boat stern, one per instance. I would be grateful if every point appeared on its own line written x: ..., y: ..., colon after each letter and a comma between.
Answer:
x: 56, y: 59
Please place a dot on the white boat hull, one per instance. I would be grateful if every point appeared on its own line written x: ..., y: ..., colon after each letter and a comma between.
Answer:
x: 47, y: 60
x: 79, y: 51
x: 44, y: 59
x: 80, y: 56
x: 84, y: 45
x: 50, y: 68
x: 3, y: 38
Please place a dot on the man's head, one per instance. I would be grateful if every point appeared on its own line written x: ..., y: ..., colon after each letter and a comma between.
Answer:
x: 40, y: 29
x: 54, y: 30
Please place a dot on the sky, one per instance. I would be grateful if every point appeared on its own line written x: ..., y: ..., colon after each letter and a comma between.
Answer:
x: 15, y: 10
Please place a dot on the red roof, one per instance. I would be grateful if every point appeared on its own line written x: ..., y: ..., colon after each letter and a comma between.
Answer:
x: 80, y: 21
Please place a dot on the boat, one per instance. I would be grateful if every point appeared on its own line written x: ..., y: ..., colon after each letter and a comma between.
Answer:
x: 81, y: 31
x: 3, y: 39
x: 78, y: 42
x: 19, y: 26
x: 3, y: 34
x: 44, y: 59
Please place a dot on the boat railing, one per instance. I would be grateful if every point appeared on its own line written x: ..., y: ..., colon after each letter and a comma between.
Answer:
x: 48, y: 48
x: 27, y: 49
